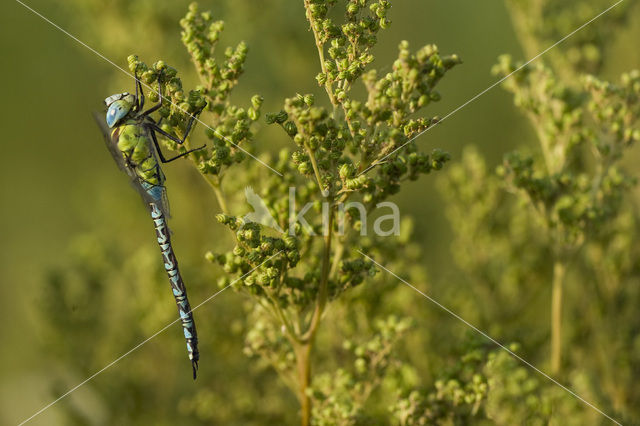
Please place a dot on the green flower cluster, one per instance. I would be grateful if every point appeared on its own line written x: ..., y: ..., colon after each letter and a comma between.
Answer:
x: 265, y: 343
x: 599, y: 116
x: 556, y: 220
x: 497, y: 245
x: 482, y: 387
x: 270, y: 258
x: 540, y: 23
x: 177, y: 107
x: 339, y: 398
x: 616, y: 111
x: 540, y: 402
x: 338, y: 146
x: 457, y: 396
x: 230, y: 125
x: 349, y: 44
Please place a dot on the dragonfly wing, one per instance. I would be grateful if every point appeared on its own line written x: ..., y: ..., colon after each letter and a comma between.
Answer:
x: 111, y: 145
x: 162, y: 200
x: 155, y: 194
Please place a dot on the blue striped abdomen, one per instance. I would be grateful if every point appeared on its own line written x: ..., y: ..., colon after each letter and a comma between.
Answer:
x: 177, y: 285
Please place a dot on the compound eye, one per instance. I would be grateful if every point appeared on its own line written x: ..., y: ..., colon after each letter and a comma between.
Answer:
x: 116, y: 112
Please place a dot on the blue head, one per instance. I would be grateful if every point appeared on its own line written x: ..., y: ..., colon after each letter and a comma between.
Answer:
x: 118, y: 107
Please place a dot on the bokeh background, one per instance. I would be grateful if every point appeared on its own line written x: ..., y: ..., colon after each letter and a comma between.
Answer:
x: 63, y: 199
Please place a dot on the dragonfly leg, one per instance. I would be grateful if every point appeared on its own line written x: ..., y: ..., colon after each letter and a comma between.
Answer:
x: 164, y: 160
x: 127, y: 159
x: 177, y: 140
x: 139, y: 93
x: 156, y: 106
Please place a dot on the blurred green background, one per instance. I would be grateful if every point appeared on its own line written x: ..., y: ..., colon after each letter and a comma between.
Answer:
x: 59, y: 185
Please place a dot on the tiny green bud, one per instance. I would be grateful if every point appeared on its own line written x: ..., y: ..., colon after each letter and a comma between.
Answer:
x: 305, y: 168
x: 309, y: 100
x: 279, y: 117
x: 256, y: 101
x: 321, y: 78
x: 290, y: 128
x: 346, y: 171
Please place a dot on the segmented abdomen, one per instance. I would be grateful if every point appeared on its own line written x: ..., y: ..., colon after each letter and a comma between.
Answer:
x: 177, y: 285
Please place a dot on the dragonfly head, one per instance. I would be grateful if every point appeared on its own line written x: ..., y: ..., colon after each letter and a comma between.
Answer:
x: 118, y: 107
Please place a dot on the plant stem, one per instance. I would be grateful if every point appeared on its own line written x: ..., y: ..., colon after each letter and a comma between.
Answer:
x: 217, y: 189
x: 303, y: 352
x: 337, y: 257
x: 532, y: 44
x: 316, y: 170
x: 320, y: 47
x: 556, y: 316
x: 305, y: 346
x: 321, y: 301
x: 280, y: 315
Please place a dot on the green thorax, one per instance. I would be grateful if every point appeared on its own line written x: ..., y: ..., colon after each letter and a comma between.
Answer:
x: 137, y: 149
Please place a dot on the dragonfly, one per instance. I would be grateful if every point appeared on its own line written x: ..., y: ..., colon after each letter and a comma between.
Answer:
x: 131, y: 135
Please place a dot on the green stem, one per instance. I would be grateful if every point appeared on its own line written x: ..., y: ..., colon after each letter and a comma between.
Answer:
x: 305, y: 346
x: 303, y: 352
x: 217, y: 189
x: 556, y: 316
x: 337, y: 257
x: 316, y: 169
x: 282, y: 317
x: 321, y: 301
x: 523, y: 25
x: 320, y: 47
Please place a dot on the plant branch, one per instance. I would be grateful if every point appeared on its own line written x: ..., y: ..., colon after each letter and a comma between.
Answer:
x: 217, y: 189
x: 559, y: 270
x: 320, y: 47
x: 304, y: 348
x: 316, y: 169
x: 303, y: 352
x: 321, y: 301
